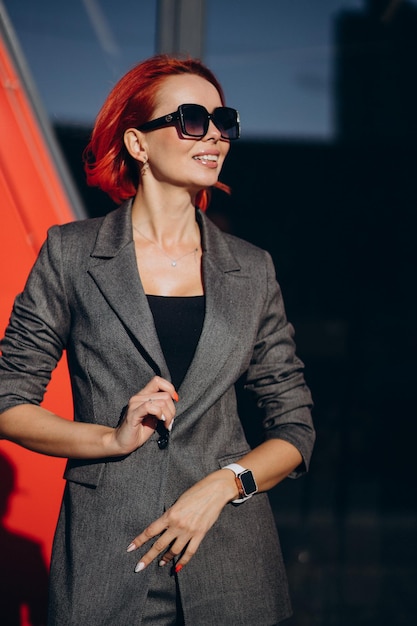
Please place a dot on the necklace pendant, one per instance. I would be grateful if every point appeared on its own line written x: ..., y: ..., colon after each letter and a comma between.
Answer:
x: 174, y: 263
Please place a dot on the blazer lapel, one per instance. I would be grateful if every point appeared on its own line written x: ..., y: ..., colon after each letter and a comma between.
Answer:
x: 114, y: 270
x: 224, y: 297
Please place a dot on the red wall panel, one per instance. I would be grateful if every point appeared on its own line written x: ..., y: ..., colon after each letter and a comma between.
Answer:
x: 32, y: 198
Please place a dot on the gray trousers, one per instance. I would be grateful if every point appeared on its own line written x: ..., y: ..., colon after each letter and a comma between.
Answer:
x: 163, y: 604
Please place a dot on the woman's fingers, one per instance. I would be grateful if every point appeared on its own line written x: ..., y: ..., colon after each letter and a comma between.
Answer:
x: 167, y: 551
x: 185, y: 554
x: 157, y: 397
x: 153, y: 412
x: 167, y: 544
x: 156, y: 384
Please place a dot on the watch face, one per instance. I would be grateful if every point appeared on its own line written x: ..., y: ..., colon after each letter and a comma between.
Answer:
x: 248, y: 483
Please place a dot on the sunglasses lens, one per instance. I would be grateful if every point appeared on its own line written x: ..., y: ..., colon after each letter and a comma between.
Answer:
x: 195, y: 121
x: 226, y: 120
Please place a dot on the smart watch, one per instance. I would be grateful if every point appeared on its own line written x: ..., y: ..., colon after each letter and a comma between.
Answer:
x: 245, y: 482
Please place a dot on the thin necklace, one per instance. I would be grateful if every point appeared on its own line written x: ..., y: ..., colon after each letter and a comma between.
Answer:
x: 173, y: 261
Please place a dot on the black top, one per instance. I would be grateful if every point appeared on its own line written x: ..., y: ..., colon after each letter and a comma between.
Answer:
x: 178, y: 322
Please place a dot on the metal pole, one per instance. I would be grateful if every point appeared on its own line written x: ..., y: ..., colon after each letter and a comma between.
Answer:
x: 180, y: 27
x: 8, y: 36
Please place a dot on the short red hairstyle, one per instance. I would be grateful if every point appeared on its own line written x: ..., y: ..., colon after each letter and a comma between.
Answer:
x: 130, y: 104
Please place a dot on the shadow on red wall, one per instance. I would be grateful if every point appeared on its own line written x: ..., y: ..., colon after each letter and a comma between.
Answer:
x: 23, y: 590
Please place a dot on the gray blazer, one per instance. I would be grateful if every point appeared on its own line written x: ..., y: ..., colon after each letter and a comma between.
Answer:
x: 84, y: 296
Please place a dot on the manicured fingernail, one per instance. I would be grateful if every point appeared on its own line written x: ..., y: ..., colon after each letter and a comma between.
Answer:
x: 175, y: 395
x: 140, y: 566
x: 162, y: 563
x: 163, y: 418
x: 170, y: 426
x: 131, y: 547
x: 178, y: 568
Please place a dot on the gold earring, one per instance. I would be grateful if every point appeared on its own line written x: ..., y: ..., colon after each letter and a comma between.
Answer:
x: 145, y: 166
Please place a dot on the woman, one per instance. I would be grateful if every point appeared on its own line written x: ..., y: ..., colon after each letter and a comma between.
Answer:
x: 160, y: 313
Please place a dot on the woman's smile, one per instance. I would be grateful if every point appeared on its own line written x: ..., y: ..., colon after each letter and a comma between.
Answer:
x: 208, y: 159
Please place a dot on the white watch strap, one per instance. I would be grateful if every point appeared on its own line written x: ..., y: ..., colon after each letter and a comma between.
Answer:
x: 237, y: 469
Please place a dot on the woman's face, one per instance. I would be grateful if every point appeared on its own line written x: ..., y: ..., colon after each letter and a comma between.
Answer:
x: 185, y: 161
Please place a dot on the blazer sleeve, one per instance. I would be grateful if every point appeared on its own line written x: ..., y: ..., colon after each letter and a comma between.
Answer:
x: 37, y: 331
x: 275, y: 376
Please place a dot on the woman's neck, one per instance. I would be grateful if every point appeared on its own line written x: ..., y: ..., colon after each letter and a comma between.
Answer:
x: 165, y: 218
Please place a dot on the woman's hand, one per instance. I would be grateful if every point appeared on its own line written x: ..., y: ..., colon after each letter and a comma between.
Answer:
x: 183, y: 526
x: 153, y: 403
x: 35, y: 428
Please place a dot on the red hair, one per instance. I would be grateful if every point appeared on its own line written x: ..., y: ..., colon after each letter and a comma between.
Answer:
x: 131, y: 102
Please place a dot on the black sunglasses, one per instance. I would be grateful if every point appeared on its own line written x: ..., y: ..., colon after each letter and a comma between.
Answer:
x: 194, y: 121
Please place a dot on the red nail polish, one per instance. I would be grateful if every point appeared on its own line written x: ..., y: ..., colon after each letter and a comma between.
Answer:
x: 176, y: 398
x: 178, y: 568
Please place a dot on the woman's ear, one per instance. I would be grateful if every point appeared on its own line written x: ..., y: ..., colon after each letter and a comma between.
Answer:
x: 133, y: 140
